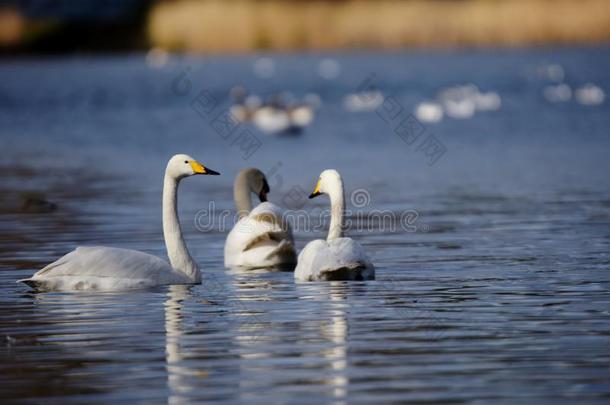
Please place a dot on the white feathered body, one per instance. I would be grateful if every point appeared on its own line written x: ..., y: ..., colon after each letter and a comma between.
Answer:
x: 301, y: 116
x: 271, y: 120
x: 337, y: 259
x: 261, y: 239
x: 105, y: 269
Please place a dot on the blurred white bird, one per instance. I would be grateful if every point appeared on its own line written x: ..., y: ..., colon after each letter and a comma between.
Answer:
x: 429, y: 112
x: 590, y: 94
x: 489, y: 101
x: 558, y: 93
x: 363, y: 101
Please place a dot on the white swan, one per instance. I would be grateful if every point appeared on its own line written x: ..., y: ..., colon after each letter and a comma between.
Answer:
x: 301, y: 116
x: 590, y: 94
x: 271, y: 119
x: 279, y: 116
x: 337, y: 257
x: 428, y: 111
x: 108, y: 268
x: 364, y: 101
x: 262, y: 237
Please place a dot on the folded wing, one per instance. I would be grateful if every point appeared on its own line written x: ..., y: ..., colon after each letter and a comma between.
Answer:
x: 97, y: 267
x: 261, y: 239
x: 338, y: 259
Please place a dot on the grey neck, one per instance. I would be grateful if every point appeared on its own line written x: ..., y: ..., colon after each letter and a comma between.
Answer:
x: 241, y: 193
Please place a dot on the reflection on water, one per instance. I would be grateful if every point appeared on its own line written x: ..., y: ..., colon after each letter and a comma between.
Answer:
x: 177, y: 374
x: 337, y: 331
x: 500, y: 293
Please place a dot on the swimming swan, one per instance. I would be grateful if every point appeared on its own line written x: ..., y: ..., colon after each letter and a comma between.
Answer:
x: 262, y: 237
x: 108, y: 268
x: 337, y: 257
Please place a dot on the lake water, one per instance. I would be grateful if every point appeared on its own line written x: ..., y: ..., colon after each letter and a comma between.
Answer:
x: 496, y: 288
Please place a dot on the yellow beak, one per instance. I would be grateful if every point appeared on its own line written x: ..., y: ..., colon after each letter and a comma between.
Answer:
x: 198, y: 168
x: 316, y: 191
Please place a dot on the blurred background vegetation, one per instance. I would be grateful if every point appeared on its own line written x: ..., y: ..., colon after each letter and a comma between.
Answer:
x: 246, y: 25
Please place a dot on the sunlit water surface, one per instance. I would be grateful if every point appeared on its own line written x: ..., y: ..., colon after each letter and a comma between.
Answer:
x: 497, y: 290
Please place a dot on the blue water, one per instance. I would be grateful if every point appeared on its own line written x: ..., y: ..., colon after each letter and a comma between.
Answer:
x: 498, y: 290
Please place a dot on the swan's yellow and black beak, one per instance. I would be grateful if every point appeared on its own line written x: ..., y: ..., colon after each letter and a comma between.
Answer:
x: 316, y: 191
x: 198, y: 168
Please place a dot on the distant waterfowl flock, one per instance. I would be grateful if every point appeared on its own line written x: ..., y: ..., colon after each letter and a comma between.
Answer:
x: 262, y: 238
x: 558, y: 91
x: 458, y: 102
x: 279, y: 114
x: 283, y: 114
x: 587, y: 95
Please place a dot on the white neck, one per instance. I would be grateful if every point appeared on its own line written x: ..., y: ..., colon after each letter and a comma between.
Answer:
x: 178, y: 254
x: 337, y: 208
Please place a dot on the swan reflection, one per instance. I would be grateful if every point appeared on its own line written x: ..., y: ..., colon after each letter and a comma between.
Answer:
x: 179, y: 376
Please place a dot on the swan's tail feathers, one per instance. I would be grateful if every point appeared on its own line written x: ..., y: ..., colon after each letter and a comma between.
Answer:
x: 285, y: 250
x: 356, y: 272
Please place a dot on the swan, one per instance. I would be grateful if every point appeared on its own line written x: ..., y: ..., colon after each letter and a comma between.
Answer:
x: 111, y: 269
x: 244, y: 105
x: 262, y: 237
x: 337, y: 257
x: 364, y: 101
x: 278, y: 116
x: 429, y: 112
x: 557, y: 93
x: 590, y: 94
x: 490, y: 101
x: 301, y: 116
x: 271, y: 119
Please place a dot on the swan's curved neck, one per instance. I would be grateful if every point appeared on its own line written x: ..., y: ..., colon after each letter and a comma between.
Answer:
x: 241, y: 193
x: 178, y: 254
x: 337, y: 208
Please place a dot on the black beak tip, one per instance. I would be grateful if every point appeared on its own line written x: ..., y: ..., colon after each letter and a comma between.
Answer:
x: 263, y: 193
x: 313, y: 195
x: 211, y: 172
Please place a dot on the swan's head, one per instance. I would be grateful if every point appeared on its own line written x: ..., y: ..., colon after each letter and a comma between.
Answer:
x: 329, y: 179
x: 255, y: 181
x: 180, y: 166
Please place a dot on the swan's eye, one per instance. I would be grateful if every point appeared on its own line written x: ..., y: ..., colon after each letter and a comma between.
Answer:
x: 186, y: 161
